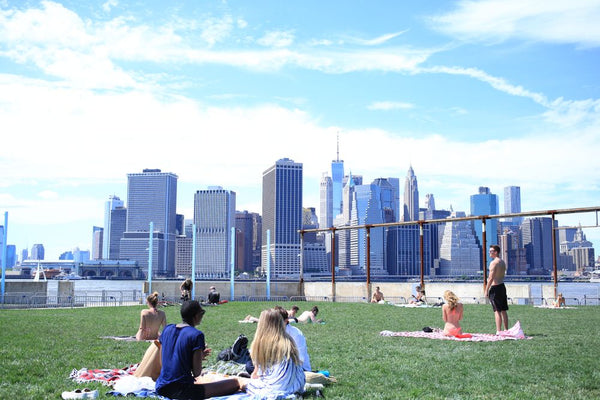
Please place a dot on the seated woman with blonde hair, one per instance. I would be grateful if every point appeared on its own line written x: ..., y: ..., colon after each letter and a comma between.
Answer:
x: 151, y: 319
x: 452, y: 313
x: 277, y: 365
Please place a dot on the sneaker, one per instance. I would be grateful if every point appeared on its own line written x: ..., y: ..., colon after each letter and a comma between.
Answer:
x: 80, y: 394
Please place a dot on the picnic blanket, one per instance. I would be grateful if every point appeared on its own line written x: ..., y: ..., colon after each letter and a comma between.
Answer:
x: 104, y: 376
x: 513, y: 333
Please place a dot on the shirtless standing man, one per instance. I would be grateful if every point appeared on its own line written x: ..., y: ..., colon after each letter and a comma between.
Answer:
x: 495, y: 289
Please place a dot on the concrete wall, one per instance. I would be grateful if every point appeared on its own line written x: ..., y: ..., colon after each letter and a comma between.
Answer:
x: 356, y: 291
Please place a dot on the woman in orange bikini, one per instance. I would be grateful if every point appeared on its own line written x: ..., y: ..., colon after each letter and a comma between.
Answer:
x: 452, y: 313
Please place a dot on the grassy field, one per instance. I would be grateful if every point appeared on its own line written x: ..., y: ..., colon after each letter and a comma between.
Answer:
x: 40, y: 347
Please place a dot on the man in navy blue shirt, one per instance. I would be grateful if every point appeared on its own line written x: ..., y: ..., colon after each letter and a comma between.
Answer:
x: 183, y: 350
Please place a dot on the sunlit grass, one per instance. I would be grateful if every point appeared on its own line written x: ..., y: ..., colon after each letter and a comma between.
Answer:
x: 39, y: 348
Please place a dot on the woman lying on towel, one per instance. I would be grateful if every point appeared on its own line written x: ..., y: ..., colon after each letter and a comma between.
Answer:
x: 278, y: 369
x: 151, y: 319
x: 452, y: 313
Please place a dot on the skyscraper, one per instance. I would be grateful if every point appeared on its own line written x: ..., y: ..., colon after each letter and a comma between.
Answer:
x: 37, y: 252
x: 245, y: 238
x: 411, y: 197
x: 97, y: 233
x: 151, y: 197
x: 326, y: 202
x: 537, y: 240
x: 337, y: 177
x: 282, y: 216
x: 512, y: 203
x: 459, y: 252
x: 485, y: 203
x: 214, y: 216
x: 108, y: 238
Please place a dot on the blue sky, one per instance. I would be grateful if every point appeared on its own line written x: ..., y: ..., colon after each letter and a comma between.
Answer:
x: 470, y: 93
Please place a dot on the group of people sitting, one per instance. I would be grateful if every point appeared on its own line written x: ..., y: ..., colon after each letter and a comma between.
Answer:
x: 305, y: 317
x: 279, y: 355
x: 213, y: 296
x: 418, y: 298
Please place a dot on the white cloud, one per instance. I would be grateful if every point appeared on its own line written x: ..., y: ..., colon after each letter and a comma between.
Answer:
x: 552, y: 21
x: 109, y: 5
x: 389, y: 105
x: 378, y: 40
x: 277, y: 39
x: 215, y: 30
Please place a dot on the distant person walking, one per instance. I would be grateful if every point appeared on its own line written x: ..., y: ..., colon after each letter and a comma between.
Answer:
x: 495, y: 289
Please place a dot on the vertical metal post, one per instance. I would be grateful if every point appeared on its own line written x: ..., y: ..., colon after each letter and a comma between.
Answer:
x: 554, y: 268
x: 484, y: 248
x: 421, y: 255
x: 194, y: 239
x: 150, y: 251
x: 368, y: 233
x: 268, y: 264
x: 4, y: 253
x: 333, y: 263
x: 232, y: 274
x: 301, y: 255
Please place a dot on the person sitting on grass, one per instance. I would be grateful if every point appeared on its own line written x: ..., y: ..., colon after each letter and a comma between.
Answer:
x: 420, y: 297
x: 310, y: 316
x: 183, y: 350
x: 277, y: 366
x: 452, y: 313
x: 377, y: 296
x: 151, y: 319
x: 213, y: 296
x: 186, y: 289
x: 292, y: 314
x: 560, y: 301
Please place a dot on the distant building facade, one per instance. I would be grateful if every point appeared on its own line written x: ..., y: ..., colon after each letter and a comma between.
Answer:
x: 214, y: 217
x: 151, y: 197
x: 282, y: 217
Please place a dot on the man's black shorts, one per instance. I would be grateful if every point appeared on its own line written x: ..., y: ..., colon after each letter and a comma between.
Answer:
x: 498, y: 297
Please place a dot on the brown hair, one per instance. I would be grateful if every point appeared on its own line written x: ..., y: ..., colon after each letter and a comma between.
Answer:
x: 152, y: 299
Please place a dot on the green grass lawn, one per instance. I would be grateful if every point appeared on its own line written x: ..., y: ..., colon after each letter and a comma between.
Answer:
x: 40, y: 347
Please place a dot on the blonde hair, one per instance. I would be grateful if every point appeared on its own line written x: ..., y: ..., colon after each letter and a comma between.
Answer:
x: 272, y: 344
x: 451, y: 298
x: 152, y: 299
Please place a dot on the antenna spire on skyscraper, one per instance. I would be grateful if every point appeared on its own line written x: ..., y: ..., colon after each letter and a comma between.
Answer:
x: 337, y: 157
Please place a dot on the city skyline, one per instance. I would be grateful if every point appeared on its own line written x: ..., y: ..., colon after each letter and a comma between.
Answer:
x: 216, y: 94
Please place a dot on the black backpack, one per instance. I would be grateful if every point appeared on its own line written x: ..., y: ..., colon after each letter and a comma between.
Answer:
x: 238, y: 352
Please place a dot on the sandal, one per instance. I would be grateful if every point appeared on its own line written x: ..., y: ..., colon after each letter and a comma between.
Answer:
x: 80, y: 394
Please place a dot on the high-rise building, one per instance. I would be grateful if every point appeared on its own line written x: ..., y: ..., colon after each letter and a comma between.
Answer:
x: 214, y: 216
x: 183, y: 256
x: 485, y: 203
x: 109, y: 236
x: 411, y: 197
x: 11, y: 255
x: 97, y: 234
x: 326, y: 202
x: 282, y: 217
x: 151, y: 197
x: 337, y: 176
x: 537, y: 241
x: 245, y: 225
x: 459, y: 252
x: 37, y: 252
x: 512, y: 203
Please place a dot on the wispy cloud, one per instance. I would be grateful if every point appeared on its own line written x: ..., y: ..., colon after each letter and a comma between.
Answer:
x: 389, y: 105
x: 551, y: 21
x: 276, y: 39
x: 378, y: 40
